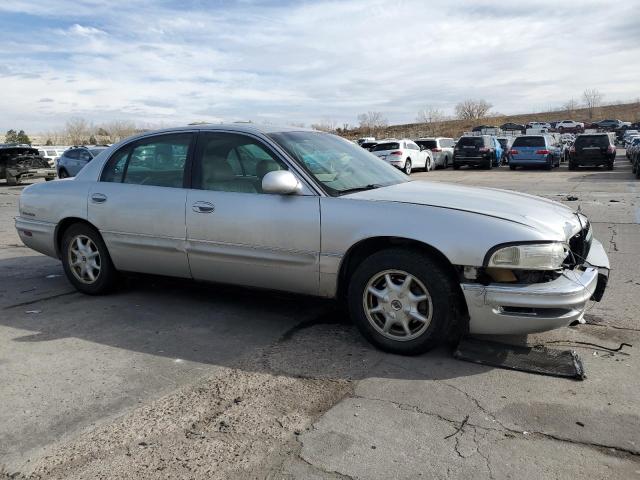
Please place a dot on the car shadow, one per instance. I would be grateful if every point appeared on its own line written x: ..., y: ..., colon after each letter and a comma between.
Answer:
x: 213, y: 324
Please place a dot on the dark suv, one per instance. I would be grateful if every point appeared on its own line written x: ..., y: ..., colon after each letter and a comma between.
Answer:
x: 592, y: 150
x: 476, y: 151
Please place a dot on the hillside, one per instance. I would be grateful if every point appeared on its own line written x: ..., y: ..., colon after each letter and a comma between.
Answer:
x: 453, y: 128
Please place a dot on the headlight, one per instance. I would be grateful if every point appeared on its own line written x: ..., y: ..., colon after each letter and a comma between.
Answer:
x: 545, y: 256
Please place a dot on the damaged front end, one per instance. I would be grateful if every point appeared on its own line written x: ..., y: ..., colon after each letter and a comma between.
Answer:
x: 19, y: 163
x: 536, y: 286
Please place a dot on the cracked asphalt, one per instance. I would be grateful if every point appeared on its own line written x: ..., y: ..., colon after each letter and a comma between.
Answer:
x: 171, y: 379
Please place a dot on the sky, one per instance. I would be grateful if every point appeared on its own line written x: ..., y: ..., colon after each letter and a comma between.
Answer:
x: 172, y: 62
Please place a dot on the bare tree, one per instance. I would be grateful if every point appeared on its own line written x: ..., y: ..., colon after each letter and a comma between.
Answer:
x: 77, y: 131
x: 471, y: 109
x: 117, y: 130
x: 326, y: 125
x: 432, y: 118
x: 372, y: 122
x: 592, y: 100
x: 570, y: 106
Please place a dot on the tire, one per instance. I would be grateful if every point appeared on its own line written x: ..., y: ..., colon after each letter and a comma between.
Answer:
x: 445, y: 165
x: 638, y: 170
x: 407, y: 166
x: 433, y: 316
x: 512, y: 167
x: 633, y: 167
x: 48, y: 179
x: 610, y: 166
x: 63, y: 173
x: 549, y: 165
x: 489, y: 164
x: 86, y: 239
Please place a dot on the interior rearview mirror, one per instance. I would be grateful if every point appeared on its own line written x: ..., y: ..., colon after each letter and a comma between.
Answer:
x: 281, y: 182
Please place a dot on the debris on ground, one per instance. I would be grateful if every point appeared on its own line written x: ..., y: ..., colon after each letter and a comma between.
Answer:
x: 537, y: 359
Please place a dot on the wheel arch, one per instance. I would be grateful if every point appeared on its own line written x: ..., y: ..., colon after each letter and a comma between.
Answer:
x: 365, y: 247
x: 63, y: 225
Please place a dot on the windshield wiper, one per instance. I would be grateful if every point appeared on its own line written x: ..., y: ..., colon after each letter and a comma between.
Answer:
x: 371, y: 186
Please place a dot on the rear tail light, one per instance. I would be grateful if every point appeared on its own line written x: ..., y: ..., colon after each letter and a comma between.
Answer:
x: 611, y: 149
x: 513, y: 152
x: 436, y: 149
x: 397, y: 152
x: 543, y: 152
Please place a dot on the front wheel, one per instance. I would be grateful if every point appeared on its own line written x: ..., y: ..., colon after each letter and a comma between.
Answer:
x: 63, y: 173
x: 407, y: 167
x: 86, y: 260
x: 402, y: 301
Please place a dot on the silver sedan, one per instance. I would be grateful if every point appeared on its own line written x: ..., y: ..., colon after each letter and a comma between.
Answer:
x: 308, y: 212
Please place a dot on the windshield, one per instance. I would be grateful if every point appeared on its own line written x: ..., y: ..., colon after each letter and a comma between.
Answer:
x: 386, y: 146
x: 340, y: 166
x: 528, y: 142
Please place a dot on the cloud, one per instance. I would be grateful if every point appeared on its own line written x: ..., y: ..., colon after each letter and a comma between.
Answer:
x: 172, y: 62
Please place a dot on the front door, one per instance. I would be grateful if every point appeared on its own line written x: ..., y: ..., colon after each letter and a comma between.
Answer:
x: 238, y: 234
x: 139, y: 205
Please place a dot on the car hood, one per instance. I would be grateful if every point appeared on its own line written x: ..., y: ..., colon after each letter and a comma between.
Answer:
x: 551, y: 218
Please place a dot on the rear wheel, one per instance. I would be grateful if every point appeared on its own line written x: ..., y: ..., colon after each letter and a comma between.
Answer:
x: 610, y: 166
x: 407, y: 166
x: 86, y: 260
x: 63, y: 173
x: 446, y: 163
x: 402, y: 301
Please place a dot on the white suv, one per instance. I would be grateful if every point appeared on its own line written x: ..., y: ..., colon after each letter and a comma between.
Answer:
x: 441, y: 149
x: 570, y: 126
x: 403, y: 154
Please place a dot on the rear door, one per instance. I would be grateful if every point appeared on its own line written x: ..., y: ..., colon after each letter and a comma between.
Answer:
x: 238, y: 234
x: 139, y: 204
x: 592, y: 147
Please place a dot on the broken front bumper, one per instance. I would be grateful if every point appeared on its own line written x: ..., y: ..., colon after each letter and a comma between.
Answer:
x: 504, y: 309
x: 47, y: 173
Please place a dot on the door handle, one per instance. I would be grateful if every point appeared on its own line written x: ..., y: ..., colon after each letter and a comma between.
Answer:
x: 98, y: 198
x: 203, y: 207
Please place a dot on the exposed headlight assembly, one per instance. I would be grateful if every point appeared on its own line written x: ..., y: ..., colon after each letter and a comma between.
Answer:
x: 542, y: 256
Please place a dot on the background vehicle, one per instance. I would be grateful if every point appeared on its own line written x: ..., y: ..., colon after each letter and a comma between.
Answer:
x: 569, y: 126
x: 51, y: 153
x: 362, y: 140
x: 513, y: 127
x: 505, y: 145
x: 534, y: 151
x: 539, y: 125
x: 610, y: 125
x: 19, y: 163
x: 628, y: 135
x: 476, y: 151
x: 403, y: 154
x: 441, y: 149
x: 633, y: 146
x: 368, y: 145
x: 592, y: 150
x: 75, y: 158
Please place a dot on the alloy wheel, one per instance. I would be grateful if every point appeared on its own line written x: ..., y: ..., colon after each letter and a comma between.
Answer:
x: 397, y: 305
x: 84, y: 259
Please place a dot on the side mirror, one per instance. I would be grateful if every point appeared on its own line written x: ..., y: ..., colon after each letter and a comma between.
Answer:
x: 281, y: 182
